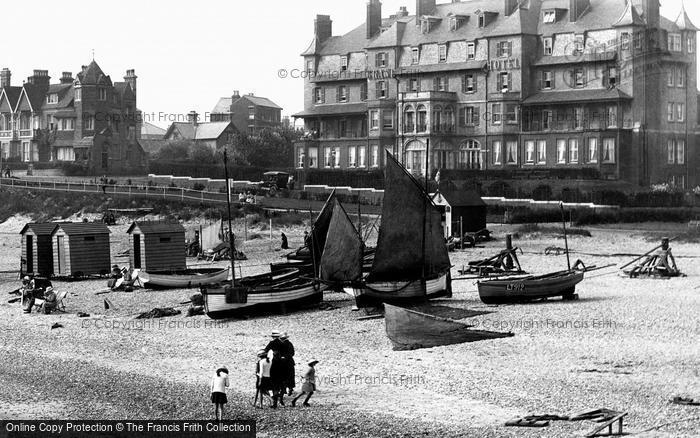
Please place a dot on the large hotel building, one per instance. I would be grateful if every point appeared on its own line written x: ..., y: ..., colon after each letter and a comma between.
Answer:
x: 593, y: 89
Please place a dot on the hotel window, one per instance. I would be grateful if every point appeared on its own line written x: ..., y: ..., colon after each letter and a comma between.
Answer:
x: 78, y: 94
x: 52, y: 98
x: 612, y: 77
x: 496, y: 145
x: 671, y: 152
x: 374, y: 162
x: 504, y: 49
x: 504, y: 82
x: 547, y: 116
x: 573, y: 151
x: 691, y: 44
x: 592, y: 150
x: 680, y: 77
x: 300, y: 158
x: 442, y: 53
x: 470, y: 116
x: 547, y: 80
x: 374, y: 119
x: 319, y: 95
x: 669, y: 112
x: 548, y: 46
x: 549, y: 17
x: 387, y: 119
x: 352, y: 156
x: 561, y: 151
x: 670, y: 77
x: 471, y: 50
x: 680, y: 112
x: 342, y: 93
x: 381, y: 90
x: 511, y: 113
x: 309, y: 65
x: 511, y: 152
x: 415, y: 55
x: 608, y: 150
x: 674, y: 42
x: 440, y: 83
x: 680, y: 152
x: 363, y: 91
x: 579, y: 45
x: 469, y: 83
x: 89, y: 123
x: 541, y: 152
x: 496, y: 114
x: 362, y: 156
x: 612, y: 117
x: 625, y: 41
x: 328, y: 157
x: 313, y: 157
x: 336, y: 156
x: 414, y: 85
x: 530, y: 152
x: 380, y: 59
x: 579, y: 78
x: 578, y: 118
x: 343, y: 63
x: 102, y: 93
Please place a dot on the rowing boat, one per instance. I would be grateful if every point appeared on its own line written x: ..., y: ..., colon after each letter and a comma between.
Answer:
x: 530, y: 288
x: 185, y: 279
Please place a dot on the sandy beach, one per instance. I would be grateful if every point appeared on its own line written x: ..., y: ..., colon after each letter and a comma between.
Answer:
x: 628, y: 344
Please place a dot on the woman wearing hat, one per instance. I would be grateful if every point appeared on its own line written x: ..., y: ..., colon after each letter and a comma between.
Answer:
x: 219, y: 383
x: 277, y: 368
x: 287, y: 354
x: 309, y: 385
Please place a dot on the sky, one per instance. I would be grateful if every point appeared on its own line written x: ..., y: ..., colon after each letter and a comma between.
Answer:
x: 189, y: 54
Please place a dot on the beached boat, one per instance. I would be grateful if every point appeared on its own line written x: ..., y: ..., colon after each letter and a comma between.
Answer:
x: 409, y: 330
x: 188, y: 278
x: 530, y: 288
x: 410, y: 263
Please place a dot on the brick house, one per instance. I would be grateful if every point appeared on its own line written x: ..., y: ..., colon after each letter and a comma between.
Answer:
x: 87, y: 120
x: 591, y: 89
x: 215, y: 135
x: 248, y: 113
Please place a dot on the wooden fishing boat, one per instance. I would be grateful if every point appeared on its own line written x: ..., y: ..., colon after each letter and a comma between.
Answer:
x: 533, y: 287
x: 409, y: 330
x: 410, y: 262
x: 185, y: 279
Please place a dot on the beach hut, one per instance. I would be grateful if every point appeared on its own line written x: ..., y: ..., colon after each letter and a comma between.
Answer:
x: 80, y: 248
x: 157, y: 246
x: 37, y: 250
x: 464, y: 205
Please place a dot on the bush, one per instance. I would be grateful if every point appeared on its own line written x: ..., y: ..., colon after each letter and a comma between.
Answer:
x: 199, y: 187
x: 542, y: 193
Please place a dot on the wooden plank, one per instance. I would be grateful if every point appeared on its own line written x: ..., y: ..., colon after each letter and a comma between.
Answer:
x: 608, y: 424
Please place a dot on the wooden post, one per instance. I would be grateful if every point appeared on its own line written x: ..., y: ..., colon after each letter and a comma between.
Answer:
x: 509, y: 241
x: 182, y: 194
x: 566, y: 241
x: 461, y: 233
x: 664, y: 243
x: 270, y: 233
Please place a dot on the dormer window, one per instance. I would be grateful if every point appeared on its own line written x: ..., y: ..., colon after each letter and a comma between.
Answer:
x: 471, y: 50
x: 549, y: 16
x: 52, y: 98
x: 343, y: 63
x: 456, y: 21
x: 415, y: 55
x: 482, y: 20
x: 442, y: 53
x: 674, y: 42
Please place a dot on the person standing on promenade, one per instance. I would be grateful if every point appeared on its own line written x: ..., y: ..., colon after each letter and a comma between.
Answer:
x: 219, y: 383
x: 288, y: 358
x: 309, y: 385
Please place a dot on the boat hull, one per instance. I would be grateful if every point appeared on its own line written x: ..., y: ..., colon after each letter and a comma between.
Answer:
x: 276, y: 298
x: 409, y: 330
x: 184, y: 281
x: 530, y: 288
x: 401, y: 292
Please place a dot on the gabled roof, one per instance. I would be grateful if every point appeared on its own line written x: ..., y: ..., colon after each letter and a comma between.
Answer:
x: 11, y: 96
x: 34, y: 95
x: 65, y: 96
x: 683, y: 21
x: 123, y: 89
x: 201, y: 131
x: 630, y: 17
x: 93, y: 75
x: 81, y: 228
x: 151, y: 130
x: 40, y: 229
x: 550, y: 97
x: 223, y: 106
x: 260, y: 101
x: 461, y: 198
x: 147, y: 227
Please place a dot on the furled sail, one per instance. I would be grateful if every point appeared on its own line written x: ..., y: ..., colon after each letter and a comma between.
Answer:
x: 319, y: 230
x: 403, y: 253
x: 342, y: 255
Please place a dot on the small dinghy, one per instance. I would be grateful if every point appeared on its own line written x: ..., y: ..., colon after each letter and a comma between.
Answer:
x: 189, y: 278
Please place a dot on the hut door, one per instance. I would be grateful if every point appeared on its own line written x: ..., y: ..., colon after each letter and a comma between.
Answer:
x: 137, y: 251
x: 30, y: 253
x: 61, y: 253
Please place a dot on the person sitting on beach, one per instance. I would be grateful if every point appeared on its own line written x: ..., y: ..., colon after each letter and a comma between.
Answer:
x: 27, y: 294
x: 262, y: 372
x: 49, y: 300
x: 309, y: 385
x: 219, y: 383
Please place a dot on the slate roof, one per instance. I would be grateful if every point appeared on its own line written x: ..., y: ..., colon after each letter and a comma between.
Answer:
x: 553, y: 97
x: 147, y: 227
x: 65, y: 96
x: 334, y: 109
x: 93, y: 74
x: 683, y: 21
x: 202, y: 131
x: 40, y: 229
x: 82, y: 228
x: 149, y: 131
x: 453, y: 66
x: 571, y: 59
x: 462, y: 198
x: 261, y: 101
x: 223, y: 106
x: 12, y: 94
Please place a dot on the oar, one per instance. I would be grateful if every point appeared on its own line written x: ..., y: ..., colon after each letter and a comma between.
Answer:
x: 647, y: 253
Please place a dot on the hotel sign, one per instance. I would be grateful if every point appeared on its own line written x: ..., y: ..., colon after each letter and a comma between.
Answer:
x: 504, y: 64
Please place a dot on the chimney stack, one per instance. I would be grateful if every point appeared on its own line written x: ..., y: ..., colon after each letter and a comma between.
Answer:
x: 403, y: 12
x: 193, y: 118
x: 5, y: 78
x: 374, y: 17
x: 577, y: 8
x: 323, y: 27
x: 130, y: 79
x: 511, y: 5
x: 236, y: 94
x: 67, y: 78
x: 424, y: 7
x: 40, y: 77
x: 651, y: 12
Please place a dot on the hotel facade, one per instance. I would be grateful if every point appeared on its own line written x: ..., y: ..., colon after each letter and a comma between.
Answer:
x: 584, y: 89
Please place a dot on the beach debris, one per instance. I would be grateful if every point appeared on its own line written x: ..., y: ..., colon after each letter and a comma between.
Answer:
x: 656, y: 263
x: 83, y: 315
x: 159, y: 312
x: 609, y: 425
x: 601, y: 414
x: 56, y: 325
x: 685, y: 401
x: 195, y: 310
x: 14, y: 300
x: 504, y: 263
x: 554, y: 250
x: 197, y: 300
x: 108, y: 304
x: 15, y: 292
x: 525, y: 422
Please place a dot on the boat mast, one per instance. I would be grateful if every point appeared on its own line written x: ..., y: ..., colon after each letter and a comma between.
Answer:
x: 425, y: 201
x: 231, y: 240
x: 566, y: 241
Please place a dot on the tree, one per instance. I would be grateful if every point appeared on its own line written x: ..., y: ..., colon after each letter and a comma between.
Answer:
x: 174, y: 151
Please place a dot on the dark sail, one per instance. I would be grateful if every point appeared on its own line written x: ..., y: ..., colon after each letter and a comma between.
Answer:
x: 342, y: 254
x: 407, y: 212
x: 319, y: 230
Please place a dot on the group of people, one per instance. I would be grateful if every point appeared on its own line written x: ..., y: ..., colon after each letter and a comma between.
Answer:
x: 34, y: 289
x: 7, y: 171
x: 275, y: 376
x: 247, y: 198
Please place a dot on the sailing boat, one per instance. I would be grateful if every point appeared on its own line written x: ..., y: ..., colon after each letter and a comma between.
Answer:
x: 411, y: 261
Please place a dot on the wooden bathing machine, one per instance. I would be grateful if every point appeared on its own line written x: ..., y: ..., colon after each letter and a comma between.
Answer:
x: 157, y: 246
x: 80, y: 249
x: 37, y: 249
